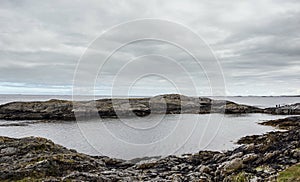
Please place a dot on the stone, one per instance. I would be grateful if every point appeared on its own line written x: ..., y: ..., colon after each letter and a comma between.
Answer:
x: 296, y: 153
x: 250, y: 147
x: 175, y: 168
x: 233, y: 165
x: 8, y: 150
x: 204, y: 169
x: 269, y: 156
x: 236, y: 155
x: 249, y: 157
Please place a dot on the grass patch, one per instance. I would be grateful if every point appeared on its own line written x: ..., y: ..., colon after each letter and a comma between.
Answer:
x: 290, y: 174
x: 241, y: 177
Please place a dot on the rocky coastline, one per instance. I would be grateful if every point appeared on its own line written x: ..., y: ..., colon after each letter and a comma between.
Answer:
x: 112, y: 108
x: 259, y: 158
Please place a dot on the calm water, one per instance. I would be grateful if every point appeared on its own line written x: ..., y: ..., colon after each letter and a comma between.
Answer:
x: 174, y: 134
x: 150, y: 136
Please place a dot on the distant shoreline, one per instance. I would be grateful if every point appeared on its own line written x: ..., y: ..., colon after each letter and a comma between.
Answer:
x: 142, y: 96
x: 62, y: 109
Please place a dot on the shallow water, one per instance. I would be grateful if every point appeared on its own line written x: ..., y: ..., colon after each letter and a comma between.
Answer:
x: 150, y: 136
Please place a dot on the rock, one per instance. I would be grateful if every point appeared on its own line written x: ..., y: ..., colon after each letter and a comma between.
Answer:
x: 45, y: 160
x: 233, y: 165
x: 293, y: 161
x: 175, y: 168
x: 296, y: 153
x: 8, y: 150
x: 249, y: 157
x: 147, y: 165
x: 269, y: 156
x: 204, y: 169
x: 236, y: 155
x: 286, y: 123
x: 83, y: 176
x: 250, y: 147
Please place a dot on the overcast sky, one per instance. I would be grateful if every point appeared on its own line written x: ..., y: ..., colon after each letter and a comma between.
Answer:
x: 256, y: 42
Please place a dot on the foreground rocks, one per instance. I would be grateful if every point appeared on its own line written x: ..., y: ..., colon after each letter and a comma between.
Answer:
x: 112, y: 108
x: 259, y: 158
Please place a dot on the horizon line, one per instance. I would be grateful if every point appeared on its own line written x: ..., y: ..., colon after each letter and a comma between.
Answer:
x: 285, y: 95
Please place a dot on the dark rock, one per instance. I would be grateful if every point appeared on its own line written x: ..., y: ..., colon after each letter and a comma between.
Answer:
x: 286, y: 123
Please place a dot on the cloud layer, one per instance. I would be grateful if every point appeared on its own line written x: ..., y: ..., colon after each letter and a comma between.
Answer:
x: 257, y: 43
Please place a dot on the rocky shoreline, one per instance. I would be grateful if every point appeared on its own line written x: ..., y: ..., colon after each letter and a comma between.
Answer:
x: 113, y: 108
x: 259, y: 158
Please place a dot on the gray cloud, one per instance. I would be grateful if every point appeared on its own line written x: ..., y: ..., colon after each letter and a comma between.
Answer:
x: 257, y: 43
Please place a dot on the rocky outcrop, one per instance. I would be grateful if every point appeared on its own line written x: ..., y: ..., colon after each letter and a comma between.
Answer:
x: 112, y: 108
x: 38, y: 158
x: 286, y: 123
x: 259, y: 158
x: 52, y: 109
x: 293, y: 109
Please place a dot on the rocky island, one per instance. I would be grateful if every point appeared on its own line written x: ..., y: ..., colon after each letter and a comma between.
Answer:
x: 270, y: 157
x: 112, y: 108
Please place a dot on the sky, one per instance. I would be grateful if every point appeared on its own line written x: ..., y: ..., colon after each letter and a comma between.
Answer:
x: 48, y: 46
